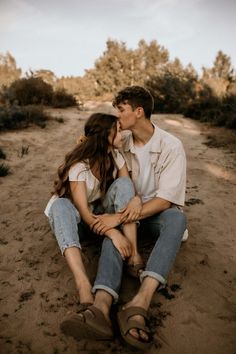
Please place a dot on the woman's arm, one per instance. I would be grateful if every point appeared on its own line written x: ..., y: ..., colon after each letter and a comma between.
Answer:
x: 123, y: 172
x: 79, y: 196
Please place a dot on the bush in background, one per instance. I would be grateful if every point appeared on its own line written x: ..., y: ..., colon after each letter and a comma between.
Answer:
x: 62, y: 99
x: 171, y: 93
x: 210, y: 108
x: 15, y: 117
x: 28, y: 91
x: 33, y: 90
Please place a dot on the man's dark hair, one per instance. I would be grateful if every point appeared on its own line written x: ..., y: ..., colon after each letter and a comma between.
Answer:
x: 135, y: 96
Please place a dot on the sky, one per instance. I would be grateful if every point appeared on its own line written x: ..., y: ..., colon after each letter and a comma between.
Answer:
x: 67, y: 36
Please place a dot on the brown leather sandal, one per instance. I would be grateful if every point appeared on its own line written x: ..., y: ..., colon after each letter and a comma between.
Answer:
x: 82, y: 306
x: 89, y: 323
x: 125, y: 324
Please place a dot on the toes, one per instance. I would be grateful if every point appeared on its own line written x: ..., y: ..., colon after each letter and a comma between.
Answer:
x: 134, y: 333
x: 143, y: 335
x: 139, y: 334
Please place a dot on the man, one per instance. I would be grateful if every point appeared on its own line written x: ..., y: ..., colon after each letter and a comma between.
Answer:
x: 157, y: 164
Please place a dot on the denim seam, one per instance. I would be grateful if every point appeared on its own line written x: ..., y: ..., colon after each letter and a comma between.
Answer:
x: 74, y: 244
x: 107, y: 289
x: 154, y: 275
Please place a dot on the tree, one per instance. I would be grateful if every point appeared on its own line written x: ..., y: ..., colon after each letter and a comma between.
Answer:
x: 113, y: 69
x: 8, y: 69
x: 222, y: 68
x: 48, y: 76
x: 220, y: 76
x: 150, y: 59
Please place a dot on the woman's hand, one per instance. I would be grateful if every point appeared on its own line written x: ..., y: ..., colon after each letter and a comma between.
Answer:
x: 122, y: 244
x: 105, y: 222
x: 132, y: 211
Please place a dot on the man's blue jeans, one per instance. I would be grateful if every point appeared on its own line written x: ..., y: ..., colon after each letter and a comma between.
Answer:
x: 166, y: 229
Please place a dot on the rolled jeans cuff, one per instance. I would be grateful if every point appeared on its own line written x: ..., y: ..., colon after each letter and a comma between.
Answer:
x: 154, y: 275
x: 108, y: 290
x: 70, y: 245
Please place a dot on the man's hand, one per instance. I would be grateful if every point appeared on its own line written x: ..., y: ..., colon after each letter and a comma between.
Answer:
x: 105, y: 222
x: 132, y: 211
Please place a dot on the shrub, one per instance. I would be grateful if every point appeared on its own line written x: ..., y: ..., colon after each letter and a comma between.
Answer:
x: 62, y: 99
x: 229, y: 110
x: 171, y: 93
x: 28, y: 91
x: 4, y: 170
x: 15, y: 117
x: 209, y: 108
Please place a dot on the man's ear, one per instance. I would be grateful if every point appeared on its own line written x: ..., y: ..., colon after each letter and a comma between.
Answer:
x: 139, y: 111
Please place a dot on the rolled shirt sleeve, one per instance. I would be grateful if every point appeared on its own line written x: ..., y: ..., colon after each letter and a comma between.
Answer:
x: 77, y: 172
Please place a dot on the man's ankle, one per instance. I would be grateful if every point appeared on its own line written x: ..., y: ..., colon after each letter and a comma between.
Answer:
x: 103, y: 301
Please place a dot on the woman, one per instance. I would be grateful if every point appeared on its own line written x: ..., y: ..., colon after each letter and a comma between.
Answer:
x: 94, y: 180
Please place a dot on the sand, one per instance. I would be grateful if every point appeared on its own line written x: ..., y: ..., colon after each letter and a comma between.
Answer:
x: 197, y: 312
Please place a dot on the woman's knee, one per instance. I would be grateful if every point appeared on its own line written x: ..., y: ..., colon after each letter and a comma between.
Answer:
x: 60, y: 205
x: 110, y: 250
x: 125, y: 186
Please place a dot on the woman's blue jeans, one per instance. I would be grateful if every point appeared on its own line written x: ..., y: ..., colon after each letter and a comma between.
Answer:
x: 70, y: 230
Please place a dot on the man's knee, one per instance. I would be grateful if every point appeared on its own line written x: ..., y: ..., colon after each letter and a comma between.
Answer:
x: 175, y: 217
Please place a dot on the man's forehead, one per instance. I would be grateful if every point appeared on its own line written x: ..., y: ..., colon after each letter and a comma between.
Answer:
x: 124, y: 103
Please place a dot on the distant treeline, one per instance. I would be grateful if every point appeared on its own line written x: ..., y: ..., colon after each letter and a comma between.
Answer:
x: 210, y: 96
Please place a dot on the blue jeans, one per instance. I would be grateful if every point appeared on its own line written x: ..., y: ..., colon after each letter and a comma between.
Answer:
x: 166, y: 230
x: 69, y: 229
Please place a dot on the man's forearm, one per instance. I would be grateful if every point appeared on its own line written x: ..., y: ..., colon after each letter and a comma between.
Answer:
x: 154, y: 206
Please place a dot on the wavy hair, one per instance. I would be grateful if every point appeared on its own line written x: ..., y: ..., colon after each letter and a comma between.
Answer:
x: 93, y: 148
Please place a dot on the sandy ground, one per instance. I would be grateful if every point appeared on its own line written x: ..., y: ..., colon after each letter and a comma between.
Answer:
x: 197, y: 312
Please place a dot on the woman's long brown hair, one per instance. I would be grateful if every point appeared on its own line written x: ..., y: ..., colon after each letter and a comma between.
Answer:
x: 93, y: 149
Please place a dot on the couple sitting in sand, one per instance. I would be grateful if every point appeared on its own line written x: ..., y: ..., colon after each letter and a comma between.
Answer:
x: 121, y: 188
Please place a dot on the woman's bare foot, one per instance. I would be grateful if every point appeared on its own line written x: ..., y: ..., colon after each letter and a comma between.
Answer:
x: 135, y: 259
x: 85, y: 291
x: 135, y: 265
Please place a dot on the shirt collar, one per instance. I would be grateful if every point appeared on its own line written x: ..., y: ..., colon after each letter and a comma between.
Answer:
x: 156, y: 141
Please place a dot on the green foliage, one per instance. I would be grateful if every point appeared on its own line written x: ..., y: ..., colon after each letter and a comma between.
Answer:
x: 28, y: 91
x: 16, y: 117
x: 119, y: 66
x: 62, y: 99
x: 210, y: 108
x: 34, y: 91
x: 4, y: 170
x: 171, y: 93
x: 2, y: 154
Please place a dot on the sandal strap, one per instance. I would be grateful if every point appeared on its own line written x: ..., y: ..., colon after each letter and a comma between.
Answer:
x: 134, y: 310
x: 127, y: 324
x: 95, y: 315
x: 132, y: 324
x: 83, y: 306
